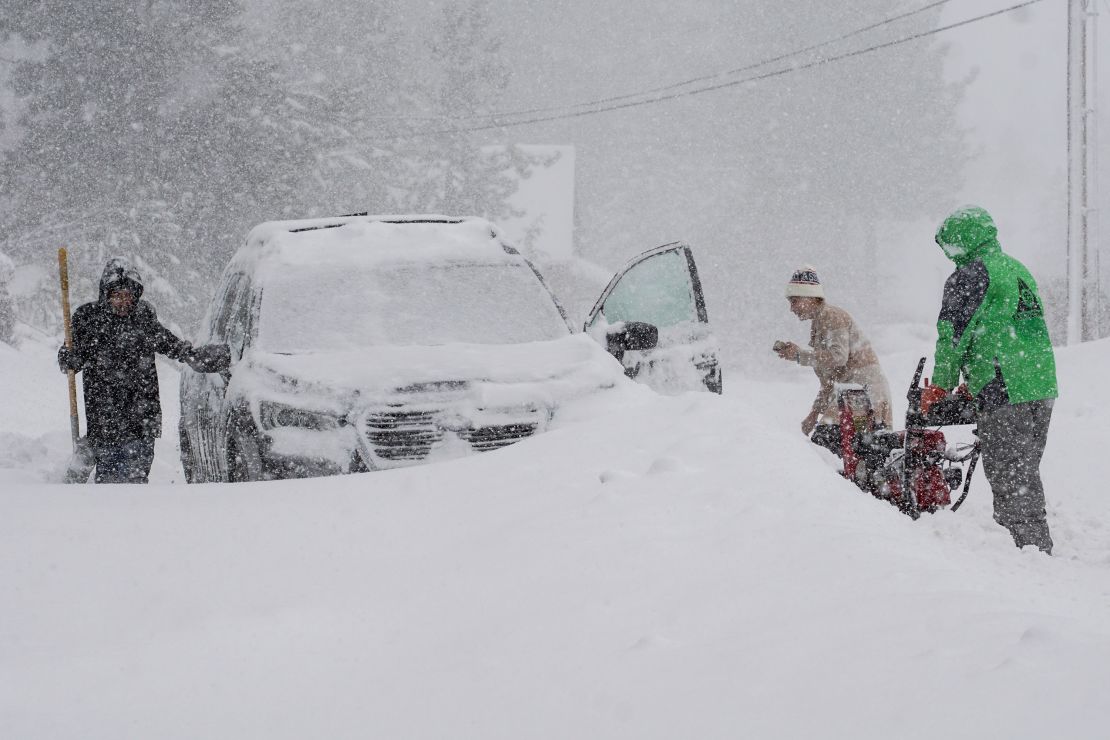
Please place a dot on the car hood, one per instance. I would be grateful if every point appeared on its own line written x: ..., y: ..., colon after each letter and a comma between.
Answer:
x: 563, y: 366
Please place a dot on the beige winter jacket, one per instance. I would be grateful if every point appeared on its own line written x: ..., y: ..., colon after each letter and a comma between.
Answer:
x: 842, y: 354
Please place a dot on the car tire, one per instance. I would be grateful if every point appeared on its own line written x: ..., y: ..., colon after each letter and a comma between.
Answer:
x: 244, y: 455
x: 713, y: 380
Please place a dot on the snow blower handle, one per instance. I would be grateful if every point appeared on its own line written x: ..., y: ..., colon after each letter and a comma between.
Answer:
x: 917, y: 374
x: 63, y: 274
x: 914, y: 417
x: 970, y: 472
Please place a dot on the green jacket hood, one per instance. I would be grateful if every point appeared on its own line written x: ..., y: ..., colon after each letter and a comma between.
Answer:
x: 968, y: 234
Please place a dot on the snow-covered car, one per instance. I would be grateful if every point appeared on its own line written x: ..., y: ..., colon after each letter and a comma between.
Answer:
x: 368, y: 342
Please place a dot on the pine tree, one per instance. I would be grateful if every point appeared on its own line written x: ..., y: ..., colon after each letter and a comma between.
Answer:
x: 805, y: 167
x: 148, y: 133
x: 447, y: 169
x: 163, y: 132
x: 346, y: 83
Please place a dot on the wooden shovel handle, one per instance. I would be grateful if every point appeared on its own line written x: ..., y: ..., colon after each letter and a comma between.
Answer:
x: 63, y: 274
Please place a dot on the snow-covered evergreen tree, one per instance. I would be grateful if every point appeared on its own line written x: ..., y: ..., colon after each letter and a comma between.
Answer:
x: 162, y: 131
x: 146, y: 132
x: 448, y: 170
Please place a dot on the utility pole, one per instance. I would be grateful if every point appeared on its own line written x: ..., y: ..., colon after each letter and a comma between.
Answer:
x: 1083, y: 247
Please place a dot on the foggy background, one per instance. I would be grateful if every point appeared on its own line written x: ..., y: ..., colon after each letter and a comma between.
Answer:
x: 165, y: 132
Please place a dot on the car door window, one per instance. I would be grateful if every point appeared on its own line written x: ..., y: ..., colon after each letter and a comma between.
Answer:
x: 660, y: 288
x: 657, y: 290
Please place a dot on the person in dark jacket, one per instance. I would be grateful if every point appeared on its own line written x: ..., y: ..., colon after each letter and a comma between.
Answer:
x: 992, y: 332
x: 114, y: 342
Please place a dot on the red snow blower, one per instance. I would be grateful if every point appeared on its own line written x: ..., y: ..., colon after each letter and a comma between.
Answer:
x: 912, y: 469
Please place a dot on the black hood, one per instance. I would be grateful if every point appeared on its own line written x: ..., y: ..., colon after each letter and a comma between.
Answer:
x: 119, y: 272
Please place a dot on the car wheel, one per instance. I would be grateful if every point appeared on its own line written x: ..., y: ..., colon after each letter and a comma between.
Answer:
x: 244, y: 457
x: 188, y: 465
x: 713, y: 379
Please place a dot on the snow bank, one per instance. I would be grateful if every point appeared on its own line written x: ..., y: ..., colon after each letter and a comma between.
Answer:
x: 34, y: 414
x: 650, y: 567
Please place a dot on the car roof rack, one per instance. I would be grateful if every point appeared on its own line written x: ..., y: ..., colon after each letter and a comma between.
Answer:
x: 383, y: 220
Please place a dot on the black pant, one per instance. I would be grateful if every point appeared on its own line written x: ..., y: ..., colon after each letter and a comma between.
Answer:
x: 1013, y: 438
x: 128, y: 462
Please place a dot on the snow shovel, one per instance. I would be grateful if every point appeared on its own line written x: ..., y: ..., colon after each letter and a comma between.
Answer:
x: 82, y: 461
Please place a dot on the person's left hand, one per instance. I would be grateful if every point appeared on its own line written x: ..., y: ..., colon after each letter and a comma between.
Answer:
x: 809, y: 423
x: 211, y: 358
x: 787, y: 351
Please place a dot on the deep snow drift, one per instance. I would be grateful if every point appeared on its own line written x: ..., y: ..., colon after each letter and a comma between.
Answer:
x: 650, y: 567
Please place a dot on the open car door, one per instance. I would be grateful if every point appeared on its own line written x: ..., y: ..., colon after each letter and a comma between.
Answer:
x: 652, y: 318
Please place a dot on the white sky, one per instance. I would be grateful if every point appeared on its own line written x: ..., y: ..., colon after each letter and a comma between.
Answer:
x: 1016, y: 111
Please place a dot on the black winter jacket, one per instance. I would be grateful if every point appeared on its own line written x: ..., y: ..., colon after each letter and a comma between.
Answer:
x: 116, y: 354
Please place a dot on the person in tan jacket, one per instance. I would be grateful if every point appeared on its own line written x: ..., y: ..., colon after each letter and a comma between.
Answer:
x: 839, y: 352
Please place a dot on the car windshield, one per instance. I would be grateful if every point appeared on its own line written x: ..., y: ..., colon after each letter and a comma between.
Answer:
x: 339, y: 307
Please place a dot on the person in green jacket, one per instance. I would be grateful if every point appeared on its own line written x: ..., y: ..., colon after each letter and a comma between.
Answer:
x: 992, y: 331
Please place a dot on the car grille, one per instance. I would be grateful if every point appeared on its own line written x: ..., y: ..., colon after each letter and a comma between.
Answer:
x: 411, y: 435
x: 483, y: 439
x: 403, y: 435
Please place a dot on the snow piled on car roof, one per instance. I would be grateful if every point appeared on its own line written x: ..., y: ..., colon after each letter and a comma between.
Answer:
x: 375, y: 239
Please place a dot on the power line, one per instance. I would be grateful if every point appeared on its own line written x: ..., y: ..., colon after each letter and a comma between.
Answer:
x: 719, y: 86
x: 737, y: 70
x: 683, y: 83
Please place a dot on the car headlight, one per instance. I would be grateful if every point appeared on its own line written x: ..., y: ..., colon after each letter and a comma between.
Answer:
x: 274, y: 415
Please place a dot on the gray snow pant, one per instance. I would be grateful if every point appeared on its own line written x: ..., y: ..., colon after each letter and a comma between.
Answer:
x: 1013, y: 439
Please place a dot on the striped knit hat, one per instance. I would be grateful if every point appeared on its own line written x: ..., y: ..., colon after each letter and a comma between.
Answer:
x: 804, y: 283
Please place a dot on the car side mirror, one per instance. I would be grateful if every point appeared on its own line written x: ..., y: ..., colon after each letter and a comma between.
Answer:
x: 634, y: 335
x: 640, y: 335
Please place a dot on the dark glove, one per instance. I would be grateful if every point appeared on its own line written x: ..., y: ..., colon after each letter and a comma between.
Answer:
x: 68, y: 360
x: 211, y: 358
x: 930, y: 394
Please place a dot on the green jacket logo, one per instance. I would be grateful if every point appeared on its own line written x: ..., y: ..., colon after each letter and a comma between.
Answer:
x: 1029, y: 307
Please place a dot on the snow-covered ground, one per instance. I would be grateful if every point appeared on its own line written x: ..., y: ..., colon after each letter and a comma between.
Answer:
x: 684, y: 567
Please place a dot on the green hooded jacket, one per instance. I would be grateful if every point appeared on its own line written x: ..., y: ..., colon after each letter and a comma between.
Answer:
x: 991, y: 326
